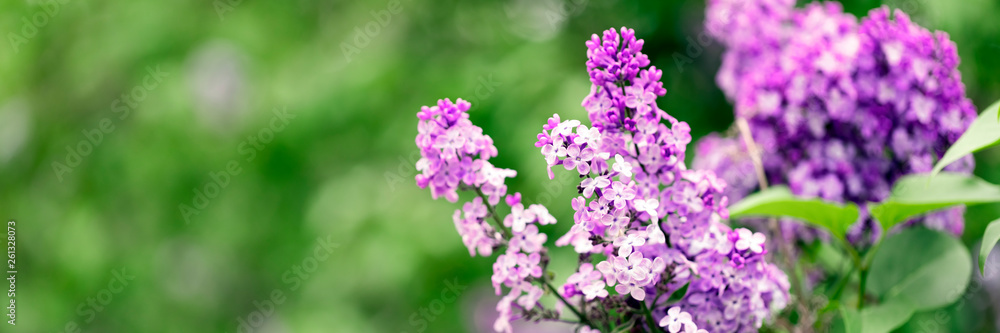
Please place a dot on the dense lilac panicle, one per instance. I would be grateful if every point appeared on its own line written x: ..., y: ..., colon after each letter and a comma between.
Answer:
x: 750, y: 28
x: 737, y: 289
x: 657, y: 224
x: 644, y: 224
x: 455, y: 152
x: 842, y: 110
x: 455, y: 155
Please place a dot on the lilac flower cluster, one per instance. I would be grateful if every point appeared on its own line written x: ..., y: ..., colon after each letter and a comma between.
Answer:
x: 728, y: 295
x: 853, y: 107
x: 455, y: 155
x: 522, y: 263
x: 644, y: 223
x: 658, y: 224
x: 455, y: 152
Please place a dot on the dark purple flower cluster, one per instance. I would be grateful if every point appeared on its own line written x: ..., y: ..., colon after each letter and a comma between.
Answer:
x: 658, y: 224
x: 840, y: 110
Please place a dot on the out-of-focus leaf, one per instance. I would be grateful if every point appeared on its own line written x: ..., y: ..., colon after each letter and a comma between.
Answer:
x: 984, y: 132
x: 678, y: 294
x: 885, y: 317
x: 778, y: 201
x: 917, y: 194
x: 829, y: 257
x: 923, y: 268
x: 990, y: 238
x: 850, y: 321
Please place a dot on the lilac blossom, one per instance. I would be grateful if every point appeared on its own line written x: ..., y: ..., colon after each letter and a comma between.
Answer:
x: 840, y: 109
x: 647, y: 213
x: 643, y: 222
x: 587, y: 282
x: 677, y: 321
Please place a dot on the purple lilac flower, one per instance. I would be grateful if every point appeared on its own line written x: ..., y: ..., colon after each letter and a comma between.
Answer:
x: 840, y: 110
x: 735, y: 282
x: 455, y: 155
x: 454, y: 151
x: 587, y: 282
x: 658, y: 224
x: 476, y: 235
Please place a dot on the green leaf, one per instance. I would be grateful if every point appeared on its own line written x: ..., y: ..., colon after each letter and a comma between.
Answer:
x: 678, y: 294
x: 923, y: 268
x: 778, y: 201
x: 984, y: 132
x: 828, y: 257
x: 850, y: 321
x: 885, y: 317
x: 990, y: 238
x: 917, y: 194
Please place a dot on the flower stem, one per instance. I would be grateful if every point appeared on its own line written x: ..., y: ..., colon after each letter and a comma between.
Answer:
x: 785, y: 248
x: 861, y: 287
x: 493, y: 213
x: 649, y: 317
x: 844, y: 279
x: 758, y: 164
x: 583, y: 319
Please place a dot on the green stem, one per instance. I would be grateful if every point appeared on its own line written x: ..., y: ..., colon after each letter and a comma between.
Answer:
x: 865, y: 266
x: 493, y: 213
x: 861, y: 287
x: 855, y: 258
x: 843, y: 283
x: 649, y: 317
x: 569, y: 305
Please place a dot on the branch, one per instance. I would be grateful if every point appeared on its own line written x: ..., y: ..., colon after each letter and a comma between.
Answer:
x: 786, y: 247
x: 569, y: 305
x: 493, y: 213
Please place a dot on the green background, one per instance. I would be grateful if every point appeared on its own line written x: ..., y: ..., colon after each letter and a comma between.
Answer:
x: 340, y: 169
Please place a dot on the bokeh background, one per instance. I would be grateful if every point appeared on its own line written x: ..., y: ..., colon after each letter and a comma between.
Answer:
x: 338, y: 177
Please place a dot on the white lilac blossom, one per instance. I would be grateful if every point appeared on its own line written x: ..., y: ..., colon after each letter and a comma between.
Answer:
x: 677, y: 321
x: 587, y: 282
x: 839, y: 109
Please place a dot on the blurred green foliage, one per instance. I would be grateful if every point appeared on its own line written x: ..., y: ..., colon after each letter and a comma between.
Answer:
x: 340, y: 169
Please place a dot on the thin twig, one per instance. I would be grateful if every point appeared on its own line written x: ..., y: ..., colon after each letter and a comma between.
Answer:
x: 569, y: 305
x: 772, y: 224
x: 752, y: 149
x: 493, y: 212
